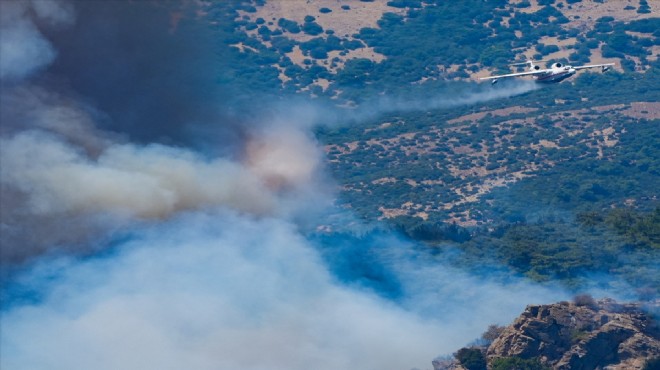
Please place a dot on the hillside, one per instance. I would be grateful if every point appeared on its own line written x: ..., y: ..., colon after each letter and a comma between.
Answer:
x: 329, y: 48
x: 425, y: 167
x: 450, y: 165
x: 445, y: 160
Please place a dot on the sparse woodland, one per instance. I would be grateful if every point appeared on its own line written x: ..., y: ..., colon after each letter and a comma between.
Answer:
x: 556, y: 183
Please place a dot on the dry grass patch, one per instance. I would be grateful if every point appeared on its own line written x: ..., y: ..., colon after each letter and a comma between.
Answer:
x: 344, y: 22
x: 583, y: 15
x: 647, y: 110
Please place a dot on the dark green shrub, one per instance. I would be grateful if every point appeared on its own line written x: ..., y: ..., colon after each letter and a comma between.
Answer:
x: 312, y: 28
x: 652, y: 364
x: 288, y: 25
x: 509, y: 363
x: 471, y: 358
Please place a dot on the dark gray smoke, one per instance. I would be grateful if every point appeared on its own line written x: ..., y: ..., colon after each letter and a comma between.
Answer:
x: 155, y: 78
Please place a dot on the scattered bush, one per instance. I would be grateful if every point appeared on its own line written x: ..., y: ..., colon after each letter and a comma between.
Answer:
x: 471, y: 358
x: 405, y: 4
x: 318, y: 53
x: 288, y: 25
x: 509, y: 363
x: 312, y: 28
x: 578, y: 335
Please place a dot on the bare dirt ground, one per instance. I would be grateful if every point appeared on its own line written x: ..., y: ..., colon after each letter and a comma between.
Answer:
x: 346, y: 18
x: 585, y: 13
x: 344, y: 22
x: 647, y: 110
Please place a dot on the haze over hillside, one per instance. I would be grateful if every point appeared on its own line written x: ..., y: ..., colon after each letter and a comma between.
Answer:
x: 317, y: 184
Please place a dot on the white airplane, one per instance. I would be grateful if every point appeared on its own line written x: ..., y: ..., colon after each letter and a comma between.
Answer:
x: 557, y: 72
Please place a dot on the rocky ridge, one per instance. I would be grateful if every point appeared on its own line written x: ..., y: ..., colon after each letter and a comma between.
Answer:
x: 584, y: 335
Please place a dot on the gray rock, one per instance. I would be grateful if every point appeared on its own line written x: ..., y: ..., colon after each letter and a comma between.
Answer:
x: 604, y: 335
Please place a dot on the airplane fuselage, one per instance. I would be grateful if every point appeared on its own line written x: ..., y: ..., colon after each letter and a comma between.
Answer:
x: 556, y: 75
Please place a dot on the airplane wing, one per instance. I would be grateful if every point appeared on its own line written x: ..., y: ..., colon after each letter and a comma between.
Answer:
x: 605, y: 66
x: 530, y: 73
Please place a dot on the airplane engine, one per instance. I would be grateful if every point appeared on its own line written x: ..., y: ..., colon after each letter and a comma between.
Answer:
x: 557, y: 65
x: 536, y: 68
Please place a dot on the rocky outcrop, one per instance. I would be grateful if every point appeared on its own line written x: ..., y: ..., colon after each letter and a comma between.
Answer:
x: 447, y: 364
x: 586, y: 336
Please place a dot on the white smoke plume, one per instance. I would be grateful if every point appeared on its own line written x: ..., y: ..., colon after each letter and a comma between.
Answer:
x: 224, y: 291
x: 149, y: 182
x: 23, y: 48
x: 444, y: 99
x: 72, y: 173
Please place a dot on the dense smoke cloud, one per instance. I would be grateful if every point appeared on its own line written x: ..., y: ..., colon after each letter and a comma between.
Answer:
x: 204, y: 263
x: 220, y: 290
x: 24, y: 48
x: 75, y: 137
x: 31, y: 107
x: 154, y: 78
x: 57, y: 178
x: 149, y: 182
